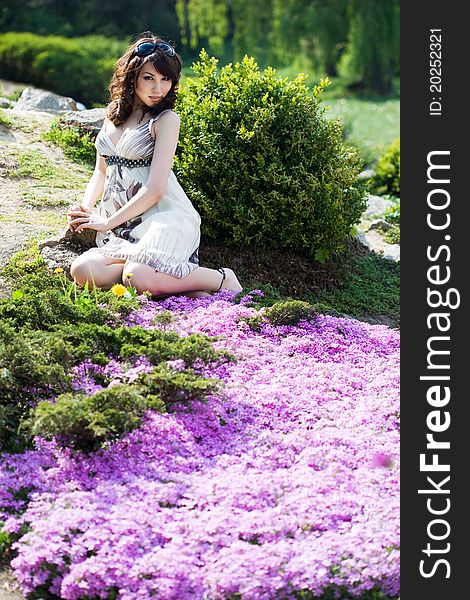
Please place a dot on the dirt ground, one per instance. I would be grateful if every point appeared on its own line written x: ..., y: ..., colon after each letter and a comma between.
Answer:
x: 29, y: 209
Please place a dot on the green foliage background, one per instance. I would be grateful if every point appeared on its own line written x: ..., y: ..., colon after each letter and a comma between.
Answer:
x: 358, y: 39
x: 78, y: 67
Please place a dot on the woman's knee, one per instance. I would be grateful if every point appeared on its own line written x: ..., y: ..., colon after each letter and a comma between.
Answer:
x: 81, y: 269
x: 95, y: 269
x: 142, y: 277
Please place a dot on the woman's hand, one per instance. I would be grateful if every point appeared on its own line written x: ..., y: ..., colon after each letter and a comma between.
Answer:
x: 85, y: 219
x: 73, y: 211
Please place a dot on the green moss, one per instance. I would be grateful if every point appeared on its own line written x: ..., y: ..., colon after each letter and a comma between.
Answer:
x: 371, y: 291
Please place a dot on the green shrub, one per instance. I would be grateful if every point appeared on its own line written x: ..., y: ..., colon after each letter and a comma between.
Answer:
x: 77, y: 143
x: 392, y: 213
x: 86, y: 422
x: 290, y: 312
x: 261, y: 162
x: 36, y: 364
x: 31, y: 366
x: 287, y: 312
x: 387, y: 171
x: 77, y: 67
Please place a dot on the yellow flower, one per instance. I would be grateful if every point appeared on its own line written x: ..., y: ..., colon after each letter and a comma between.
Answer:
x: 59, y: 270
x: 118, y: 290
x: 129, y: 275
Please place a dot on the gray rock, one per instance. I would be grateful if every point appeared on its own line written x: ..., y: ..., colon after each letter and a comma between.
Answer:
x: 392, y: 252
x: 42, y: 100
x: 380, y: 224
x: 6, y: 136
x: 90, y: 119
x: 61, y: 251
x: 376, y: 206
x: 360, y: 237
x: 6, y: 103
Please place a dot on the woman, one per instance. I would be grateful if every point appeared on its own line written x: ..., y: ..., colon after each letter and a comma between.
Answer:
x: 148, y: 232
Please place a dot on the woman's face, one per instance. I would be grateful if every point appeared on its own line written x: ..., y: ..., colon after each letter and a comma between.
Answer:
x: 151, y: 86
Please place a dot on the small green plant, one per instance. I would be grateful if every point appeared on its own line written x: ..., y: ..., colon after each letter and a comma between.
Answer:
x: 4, y: 120
x: 392, y: 213
x: 387, y: 171
x: 392, y: 236
x: 5, y: 541
x: 290, y: 312
x: 286, y: 312
x: 77, y: 143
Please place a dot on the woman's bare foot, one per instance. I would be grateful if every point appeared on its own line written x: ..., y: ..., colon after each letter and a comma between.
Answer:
x: 231, y: 282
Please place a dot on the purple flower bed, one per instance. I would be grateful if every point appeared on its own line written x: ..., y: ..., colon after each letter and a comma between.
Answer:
x: 288, y: 480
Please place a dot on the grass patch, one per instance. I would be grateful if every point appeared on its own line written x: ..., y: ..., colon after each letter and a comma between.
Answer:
x: 4, y: 120
x: 355, y: 282
x: 46, y: 218
x: 38, y: 197
x: 30, y: 163
x: 371, y: 292
x: 43, y: 184
x: 369, y: 124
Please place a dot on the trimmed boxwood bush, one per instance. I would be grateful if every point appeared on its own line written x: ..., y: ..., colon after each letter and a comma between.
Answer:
x: 261, y: 162
x: 77, y: 67
x: 387, y: 171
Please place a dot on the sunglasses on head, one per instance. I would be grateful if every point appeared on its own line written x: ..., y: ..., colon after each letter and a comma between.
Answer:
x: 147, y: 48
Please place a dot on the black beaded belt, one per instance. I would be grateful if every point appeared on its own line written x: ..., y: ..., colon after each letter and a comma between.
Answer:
x: 127, y: 162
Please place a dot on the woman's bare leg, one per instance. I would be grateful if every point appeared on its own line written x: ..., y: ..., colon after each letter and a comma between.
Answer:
x: 145, y: 278
x: 97, y: 270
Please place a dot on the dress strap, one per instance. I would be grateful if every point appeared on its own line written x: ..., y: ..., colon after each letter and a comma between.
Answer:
x: 152, y: 121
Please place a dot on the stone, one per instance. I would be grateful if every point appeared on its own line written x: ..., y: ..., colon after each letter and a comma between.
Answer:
x: 6, y: 103
x: 91, y: 119
x: 360, y: 237
x: 392, y: 252
x: 5, y: 134
x: 376, y: 206
x: 381, y: 224
x: 42, y: 100
x: 61, y: 251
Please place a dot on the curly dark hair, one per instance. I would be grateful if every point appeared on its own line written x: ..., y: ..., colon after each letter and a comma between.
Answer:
x: 123, y: 81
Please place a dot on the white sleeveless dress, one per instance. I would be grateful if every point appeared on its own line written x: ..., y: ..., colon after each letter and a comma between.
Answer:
x: 167, y: 235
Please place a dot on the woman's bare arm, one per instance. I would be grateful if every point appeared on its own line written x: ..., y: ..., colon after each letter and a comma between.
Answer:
x: 95, y: 186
